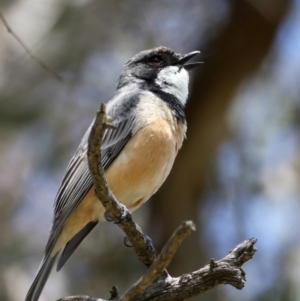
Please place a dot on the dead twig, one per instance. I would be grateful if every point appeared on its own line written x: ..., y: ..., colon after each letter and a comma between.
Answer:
x: 161, y: 262
x: 116, y: 211
x: 28, y: 50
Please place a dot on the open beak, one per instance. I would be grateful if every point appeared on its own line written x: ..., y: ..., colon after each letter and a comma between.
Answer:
x: 185, y: 58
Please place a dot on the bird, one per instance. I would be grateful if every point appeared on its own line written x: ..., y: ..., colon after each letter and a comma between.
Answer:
x: 148, y: 115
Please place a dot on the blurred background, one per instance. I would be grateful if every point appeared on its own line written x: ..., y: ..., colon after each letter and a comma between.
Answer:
x: 237, y: 175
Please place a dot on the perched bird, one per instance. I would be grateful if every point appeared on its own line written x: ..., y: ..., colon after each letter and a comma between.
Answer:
x: 148, y: 113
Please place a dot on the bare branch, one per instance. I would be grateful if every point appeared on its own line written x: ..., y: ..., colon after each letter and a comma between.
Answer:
x: 28, y: 50
x: 116, y: 211
x: 161, y: 262
x: 225, y: 271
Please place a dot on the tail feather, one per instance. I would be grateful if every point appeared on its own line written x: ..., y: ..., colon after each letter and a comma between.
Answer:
x: 72, y: 245
x: 40, y: 278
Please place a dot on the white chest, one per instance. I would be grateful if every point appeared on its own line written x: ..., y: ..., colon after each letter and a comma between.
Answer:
x: 175, y: 81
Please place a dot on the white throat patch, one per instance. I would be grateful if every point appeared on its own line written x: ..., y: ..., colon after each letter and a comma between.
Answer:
x: 174, y: 80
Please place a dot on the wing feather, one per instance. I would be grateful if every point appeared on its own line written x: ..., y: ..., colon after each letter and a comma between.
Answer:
x: 77, y: 181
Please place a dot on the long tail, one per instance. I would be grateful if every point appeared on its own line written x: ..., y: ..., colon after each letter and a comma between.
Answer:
x: 40, y: 278
x: 48, y: 261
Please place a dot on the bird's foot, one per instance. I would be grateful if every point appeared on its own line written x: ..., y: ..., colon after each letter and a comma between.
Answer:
x: 149, y: 243
x: 150, y: 247
x: 117, y: 219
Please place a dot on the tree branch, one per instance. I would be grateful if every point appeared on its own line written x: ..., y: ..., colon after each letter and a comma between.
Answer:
x: 116, y: 211
x: 225, y: 271
x: 161, y: 262
x: 28, y: 50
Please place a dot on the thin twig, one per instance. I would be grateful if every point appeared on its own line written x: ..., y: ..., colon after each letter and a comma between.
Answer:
x: 116, y: 211
x: 161, y: 262
x: 28, y: 50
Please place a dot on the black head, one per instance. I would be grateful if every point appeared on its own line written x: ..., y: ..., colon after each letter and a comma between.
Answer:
x: 160, y: 66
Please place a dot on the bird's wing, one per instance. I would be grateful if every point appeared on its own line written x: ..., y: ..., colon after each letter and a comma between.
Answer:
x: 78, y: 181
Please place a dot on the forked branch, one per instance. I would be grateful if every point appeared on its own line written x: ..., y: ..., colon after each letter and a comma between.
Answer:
x: 225, y: 271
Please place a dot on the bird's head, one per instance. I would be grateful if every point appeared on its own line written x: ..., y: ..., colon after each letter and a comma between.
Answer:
x: 160, y: 69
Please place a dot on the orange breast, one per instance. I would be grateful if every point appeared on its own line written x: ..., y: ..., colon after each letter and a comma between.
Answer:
x: 137, y: 173
x: 144, y: 163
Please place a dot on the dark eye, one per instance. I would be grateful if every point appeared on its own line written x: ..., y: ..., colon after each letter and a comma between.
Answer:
x: 156, y: 60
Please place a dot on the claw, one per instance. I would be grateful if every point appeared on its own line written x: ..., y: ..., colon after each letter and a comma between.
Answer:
x: 109, y: 219
x: 127, y: 243
x: 149, y: 244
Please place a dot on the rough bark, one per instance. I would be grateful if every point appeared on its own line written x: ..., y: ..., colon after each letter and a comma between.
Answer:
x: 166, y: 288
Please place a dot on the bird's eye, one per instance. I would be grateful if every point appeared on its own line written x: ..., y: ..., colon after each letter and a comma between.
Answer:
x: 156, y: 60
